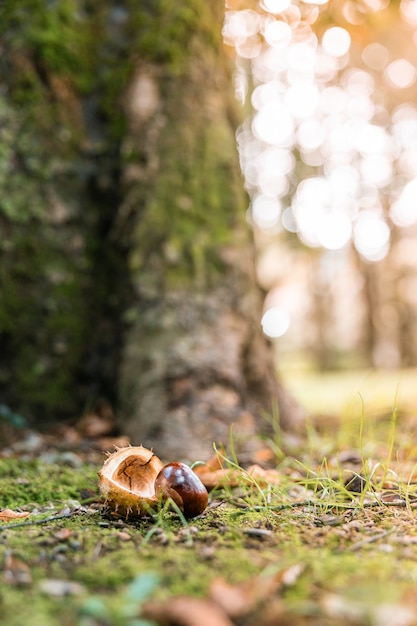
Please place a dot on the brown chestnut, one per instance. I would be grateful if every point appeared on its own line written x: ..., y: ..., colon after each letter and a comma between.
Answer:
x: 178, y: 482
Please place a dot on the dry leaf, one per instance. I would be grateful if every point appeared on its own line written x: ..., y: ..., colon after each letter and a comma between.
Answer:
x: 211, y: 477
x: 262, y: 476
x: 186, y: 611
x: 217, y: 478
x: 239, y: 600
x: 16, y: 571
x: 123, y: 536
x: 226, y: 602
x: 108, y: 443
x: 63, y: 534
x: 263, y: 455
x: 233, y: 599
x: 98, y: 422
x: 7, y: 515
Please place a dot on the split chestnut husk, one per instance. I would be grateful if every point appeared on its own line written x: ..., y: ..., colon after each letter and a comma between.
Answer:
x: 127, y: 480
x: 134, y: 481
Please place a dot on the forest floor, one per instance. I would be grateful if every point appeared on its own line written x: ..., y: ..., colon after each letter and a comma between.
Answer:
x: 328, y: 536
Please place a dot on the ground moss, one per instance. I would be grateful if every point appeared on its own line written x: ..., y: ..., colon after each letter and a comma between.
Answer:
x: 34, y: 482
x: 104, y: 554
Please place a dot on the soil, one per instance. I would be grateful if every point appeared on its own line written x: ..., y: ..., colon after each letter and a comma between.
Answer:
x: 326, y: 540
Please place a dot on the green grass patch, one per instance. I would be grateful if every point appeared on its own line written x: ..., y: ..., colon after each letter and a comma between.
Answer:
x: 355, y: 546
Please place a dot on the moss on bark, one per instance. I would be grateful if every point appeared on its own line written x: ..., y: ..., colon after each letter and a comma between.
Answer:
x: 122, y: 197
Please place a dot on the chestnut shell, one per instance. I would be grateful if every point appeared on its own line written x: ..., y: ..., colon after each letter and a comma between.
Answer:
x: 127, y: 480
x: 178, y: 482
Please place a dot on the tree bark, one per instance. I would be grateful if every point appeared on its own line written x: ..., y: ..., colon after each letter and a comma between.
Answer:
x: 127, y: 265
x: 195, y: 362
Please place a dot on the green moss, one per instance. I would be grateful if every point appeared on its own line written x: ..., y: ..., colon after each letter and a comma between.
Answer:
x: 56, y: 37
x: 164, y: 29
x: 62, y: 133
x: 29, y: 482
x: 104, y: 554
x: 197, y: 205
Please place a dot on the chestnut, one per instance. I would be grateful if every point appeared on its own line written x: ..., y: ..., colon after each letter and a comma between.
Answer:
x: 127, y: 480
x: 178, y: 482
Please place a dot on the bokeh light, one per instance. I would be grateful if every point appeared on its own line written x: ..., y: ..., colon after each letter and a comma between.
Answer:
x: 275, y: 322
x: 371, y: 235
x: 329, y: 154
x: 275, y: 6
x: 401, y: 73
x: 375, y: 56
x: 306, y: 98
x: 336, y: 41
x: 404, y: 210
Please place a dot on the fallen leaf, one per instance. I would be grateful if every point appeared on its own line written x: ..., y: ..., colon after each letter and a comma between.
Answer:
x: 108, y: 443
x: 63, y: 534
x: 263, y: 455
x: 7, y: 515
x: 239, y: 600
x: 16, y: 571
x: 233, y: 599
x: 186, y: 611
x: 212, y: 474
x: 98, y: 422
x: 262, y: 476
x: 218, y: 478
x: 123, y: 536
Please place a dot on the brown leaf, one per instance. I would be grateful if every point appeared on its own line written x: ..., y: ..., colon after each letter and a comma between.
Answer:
x: 108, y: 443
x: 16, y: 571
x: 63, y: 534
x: 263, y: 455
x: 262, y: 476
x: 98, y: 422
x: 233, y: 599
x: 232, y: 477
x: 239, y: 600
x: 217, y: 478
x: 7, y: 515
x: 123, y: 536
x: 186, y: 611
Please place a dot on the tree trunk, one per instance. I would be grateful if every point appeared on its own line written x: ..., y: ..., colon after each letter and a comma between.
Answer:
x: 195, y: 361
x: 127, y: 265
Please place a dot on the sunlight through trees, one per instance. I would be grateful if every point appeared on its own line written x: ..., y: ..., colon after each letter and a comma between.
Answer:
x: 328, y: 150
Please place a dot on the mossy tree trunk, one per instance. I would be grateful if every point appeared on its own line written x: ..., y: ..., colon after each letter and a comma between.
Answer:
x: 135, y: 271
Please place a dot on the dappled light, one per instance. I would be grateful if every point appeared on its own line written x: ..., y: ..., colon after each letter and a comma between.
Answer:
x: 275, y: 322
x: 328, y: 152
x: 307, y: 98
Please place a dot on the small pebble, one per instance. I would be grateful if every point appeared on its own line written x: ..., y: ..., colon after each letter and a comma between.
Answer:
x: 57, y: 588
x: 262, y: 533
x: 207, y: 553
x: 123, y: 536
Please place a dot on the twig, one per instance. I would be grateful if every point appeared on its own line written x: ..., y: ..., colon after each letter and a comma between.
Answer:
x: 358, y: 545
x: 335, y: 505
x: 44, y: 520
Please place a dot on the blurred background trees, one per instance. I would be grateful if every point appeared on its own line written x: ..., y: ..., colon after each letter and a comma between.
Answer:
x: 329, y: 158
